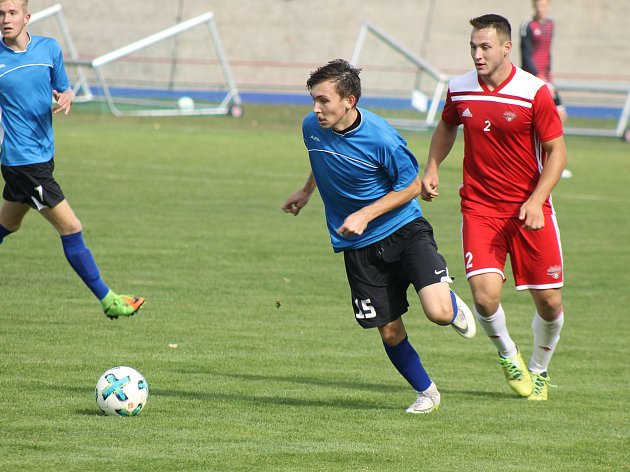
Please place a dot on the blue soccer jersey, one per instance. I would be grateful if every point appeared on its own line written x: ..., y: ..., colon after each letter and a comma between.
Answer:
x: 27, y: 79
x: 354, y: 169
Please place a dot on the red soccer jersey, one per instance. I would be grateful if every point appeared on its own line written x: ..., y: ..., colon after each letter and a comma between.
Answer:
x: 503, y: 132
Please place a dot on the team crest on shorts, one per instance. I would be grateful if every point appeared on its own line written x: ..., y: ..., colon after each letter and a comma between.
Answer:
x: 509, y: 116
x: 554, y: 271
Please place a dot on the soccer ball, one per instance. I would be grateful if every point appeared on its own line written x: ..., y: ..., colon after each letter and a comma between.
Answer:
x: 121, y: 391
x: 185, y: 103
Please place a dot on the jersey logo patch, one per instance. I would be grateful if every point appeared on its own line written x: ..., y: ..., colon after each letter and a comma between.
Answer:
x: 467, y: 113
x: 509, y: 116
x: 314, y: 138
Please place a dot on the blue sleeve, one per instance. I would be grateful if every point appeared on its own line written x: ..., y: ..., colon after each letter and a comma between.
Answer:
x: 402, y: 168
x: 58, y: 78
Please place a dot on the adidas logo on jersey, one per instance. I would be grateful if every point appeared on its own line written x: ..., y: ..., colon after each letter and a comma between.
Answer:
x: 467, y: 113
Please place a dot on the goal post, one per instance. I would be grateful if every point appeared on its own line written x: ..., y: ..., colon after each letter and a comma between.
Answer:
x: 229, y: 104
x: 146, y: 77
x: 413, y: 68
x: 618, y: 106
x: 81, y: 86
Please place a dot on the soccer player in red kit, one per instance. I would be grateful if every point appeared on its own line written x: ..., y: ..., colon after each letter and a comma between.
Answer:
x: 514, y: 154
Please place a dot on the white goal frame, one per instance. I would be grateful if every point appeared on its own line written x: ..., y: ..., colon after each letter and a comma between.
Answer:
x: 621, y: 130
x: 81, y: 88
x: 421, y: 65
x: 230, y: 104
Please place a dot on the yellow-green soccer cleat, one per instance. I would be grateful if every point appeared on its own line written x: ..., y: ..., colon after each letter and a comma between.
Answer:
x: 517, y: 374
x: 121, y: 305
x: 541, y: 385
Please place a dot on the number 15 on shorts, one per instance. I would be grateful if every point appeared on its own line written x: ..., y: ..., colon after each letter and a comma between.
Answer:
x: 363, y: 309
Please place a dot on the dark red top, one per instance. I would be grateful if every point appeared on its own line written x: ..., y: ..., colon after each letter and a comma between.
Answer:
x: 536, y: 47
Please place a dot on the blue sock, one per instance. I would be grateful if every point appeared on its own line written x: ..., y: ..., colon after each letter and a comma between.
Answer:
x: 81, y: 260
x: 407, y: 362
x: 455, y: 309
x: 3, y: 232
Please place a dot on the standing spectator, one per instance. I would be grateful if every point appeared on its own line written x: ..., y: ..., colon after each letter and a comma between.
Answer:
x: 514, y: 153
x: 536, y: 37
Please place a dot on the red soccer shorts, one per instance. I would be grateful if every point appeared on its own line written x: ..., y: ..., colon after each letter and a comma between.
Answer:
x: 536, y: 256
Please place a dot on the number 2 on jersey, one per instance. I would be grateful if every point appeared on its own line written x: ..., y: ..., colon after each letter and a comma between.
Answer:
x: 488, y: 124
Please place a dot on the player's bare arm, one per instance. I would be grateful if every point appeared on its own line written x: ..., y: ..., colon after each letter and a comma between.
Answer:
x: 299, y: 199
x: 356, y: 223
x: 531, y: 213
x: 64, y: 101
x: 441, y: 144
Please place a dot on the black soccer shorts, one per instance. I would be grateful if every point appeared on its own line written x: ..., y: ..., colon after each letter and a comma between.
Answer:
x: 32, y: 184
x: 380, y: 274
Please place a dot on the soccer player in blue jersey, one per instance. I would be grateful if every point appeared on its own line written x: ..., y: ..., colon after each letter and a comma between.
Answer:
x: 32, y: 74
x: 368, y: 181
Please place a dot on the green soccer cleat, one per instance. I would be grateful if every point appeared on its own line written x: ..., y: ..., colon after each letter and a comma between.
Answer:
x: 541, y: 385
x: 517, y: 375
x: 427, y: 401
x: 121, y: 305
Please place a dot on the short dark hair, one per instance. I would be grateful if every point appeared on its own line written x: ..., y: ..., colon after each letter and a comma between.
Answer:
x: 341, y: 73
x: 499, y: 23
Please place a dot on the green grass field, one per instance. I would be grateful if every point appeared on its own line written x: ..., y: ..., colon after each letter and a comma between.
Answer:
x: 271, y: 372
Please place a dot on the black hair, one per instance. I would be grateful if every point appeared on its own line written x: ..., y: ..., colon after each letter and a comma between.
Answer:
x: 497, y: 22
x: 341, y: 73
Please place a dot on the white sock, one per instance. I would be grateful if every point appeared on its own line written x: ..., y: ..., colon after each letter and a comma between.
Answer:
x: 546, y: 337
x: 496, y: 329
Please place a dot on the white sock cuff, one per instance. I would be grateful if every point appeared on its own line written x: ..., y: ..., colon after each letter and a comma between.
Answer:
x: 490, y: 318
x: 557, y: 323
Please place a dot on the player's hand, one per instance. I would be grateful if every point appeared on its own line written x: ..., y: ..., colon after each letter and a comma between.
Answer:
x: 430, y: 183
x: 532, y: 216
x: 64, y: 101
x: 296, y: 202
x: 353, y: 225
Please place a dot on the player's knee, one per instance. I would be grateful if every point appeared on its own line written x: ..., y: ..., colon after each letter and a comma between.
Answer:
x: 549, y: 308
x: 440, y: 314
x: 392, y: 334
x: 487, y: 300
x: 390, y: 339
x: 12, y: 228
x: 486, y: 305
x: 70, y: 227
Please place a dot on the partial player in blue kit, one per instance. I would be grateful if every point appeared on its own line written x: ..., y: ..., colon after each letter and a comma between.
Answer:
x: 32, y: 73
x: 368, y: 181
